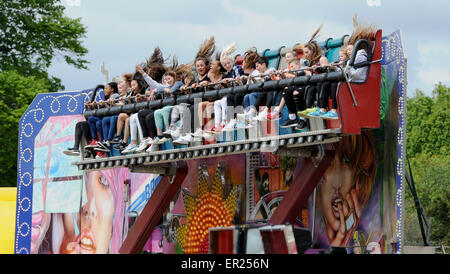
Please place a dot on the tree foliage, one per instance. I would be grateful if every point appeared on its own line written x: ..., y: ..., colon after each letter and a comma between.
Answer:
x: 33, y: 33
x: 16, y: 94
x: 428, y: 122
x: 428, y: 146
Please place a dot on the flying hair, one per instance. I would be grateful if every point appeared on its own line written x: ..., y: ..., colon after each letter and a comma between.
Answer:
x: 313, y: 46
x: 361, y: 31
x: 207, y: 49
x: 154, y: 66
x: 156, y: 58
x: 182, y: 70
x: 315, y: 34
x: 227, y: 51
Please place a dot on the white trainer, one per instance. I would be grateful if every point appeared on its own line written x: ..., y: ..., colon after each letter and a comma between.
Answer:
x: 130, y: 149
x: 152, y: 148
x: 142, y: 146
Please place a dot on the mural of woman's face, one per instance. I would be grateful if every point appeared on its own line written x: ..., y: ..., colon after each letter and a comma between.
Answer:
x: 339, y: 201
x: 97, y: 216
x: 40, y: 225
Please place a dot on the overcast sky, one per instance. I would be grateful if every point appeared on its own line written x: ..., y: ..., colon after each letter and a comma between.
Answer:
x: 124, y: 33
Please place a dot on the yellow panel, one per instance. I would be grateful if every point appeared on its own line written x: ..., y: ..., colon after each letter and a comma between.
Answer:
x: 7, y: 219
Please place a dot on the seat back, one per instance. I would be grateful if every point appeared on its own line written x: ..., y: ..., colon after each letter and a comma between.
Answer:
x: 273, y: 56
x: 333, y: 47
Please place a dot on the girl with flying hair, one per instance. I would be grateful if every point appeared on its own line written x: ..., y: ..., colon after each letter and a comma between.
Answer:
x: 295, y: 98
x: 360, y: 31
x: 232, y: 71
x: 152, y: 74
x: 358, y: 75
x: 202, y: 65
x: 236, y: 101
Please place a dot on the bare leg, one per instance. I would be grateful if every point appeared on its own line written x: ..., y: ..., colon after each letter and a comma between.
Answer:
x: 121, y: 122
x: 127, y: 130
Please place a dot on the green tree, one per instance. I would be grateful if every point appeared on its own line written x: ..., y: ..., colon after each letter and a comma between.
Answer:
x: 428, y: 122
x: 16, y: 93
x: 33, y: 32
x: 428, y: 146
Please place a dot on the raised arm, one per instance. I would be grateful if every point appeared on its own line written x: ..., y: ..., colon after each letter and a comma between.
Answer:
x: 152, y: 83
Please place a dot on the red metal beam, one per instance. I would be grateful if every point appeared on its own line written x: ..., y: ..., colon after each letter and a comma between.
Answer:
x: 301, y: 189
x: 153, y: 211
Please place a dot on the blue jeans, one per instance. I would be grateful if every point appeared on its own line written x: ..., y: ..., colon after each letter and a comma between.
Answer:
x: 95, y: 124
x: 250, y: 100
x: 109, y: 125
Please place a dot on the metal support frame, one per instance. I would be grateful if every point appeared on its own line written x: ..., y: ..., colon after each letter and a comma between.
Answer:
x: 153, y: 211
x: 289, y: 141
x: 301, y: 189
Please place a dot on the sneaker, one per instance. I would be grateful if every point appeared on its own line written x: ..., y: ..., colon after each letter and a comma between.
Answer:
x: 153, y: 141
x: 168, y: 133
x: 116, y: 140
x: 147, y: 140
x: 305, y: 112
x: 189, y: 139
x: 102, y: 149
x: 92, y: 144
x: 330, y: 115
x: 88, y: 154
x: 273, y: 116
x: 216, y: 129
x: 198, y: 133
x: 120, y: 146
x: 175, y: 133
x: 301, y: 124
x: 289, y: 123
x: 241, y: 116
x: 262, y: 116
x: 142, y: 146
x: 181, y: 141
x: 230, y: 126
x: 152, y: 148
x: 105, y: 145
x: 186, y: 139
x: 243, y: 125
x: 208, y: 135
x: 246, y: 117
x: 100, y: 155
x: 130, y: 149
x: 316, y: 114
x: 162, y: 140
x: 72, y: 151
